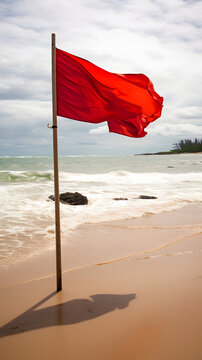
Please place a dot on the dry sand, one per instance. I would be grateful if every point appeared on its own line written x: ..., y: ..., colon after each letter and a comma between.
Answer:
x: 143, y: 300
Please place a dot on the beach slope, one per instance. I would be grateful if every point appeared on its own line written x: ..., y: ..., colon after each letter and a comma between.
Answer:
x: 126, y: 300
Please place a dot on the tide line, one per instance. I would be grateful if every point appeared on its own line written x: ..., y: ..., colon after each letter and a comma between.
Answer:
x: 137, y: 227
x: 127, y: 257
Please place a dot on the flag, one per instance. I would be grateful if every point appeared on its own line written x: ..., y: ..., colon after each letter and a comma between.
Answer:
x: 86, y: 92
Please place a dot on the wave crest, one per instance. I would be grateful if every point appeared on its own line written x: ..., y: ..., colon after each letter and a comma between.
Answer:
x: 24, y: 176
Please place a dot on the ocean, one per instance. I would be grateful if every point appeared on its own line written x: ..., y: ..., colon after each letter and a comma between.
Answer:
x: 27, y: 215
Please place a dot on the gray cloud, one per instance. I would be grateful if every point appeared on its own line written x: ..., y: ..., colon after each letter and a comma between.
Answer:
x: 87, y: 143
x: 158, y: 38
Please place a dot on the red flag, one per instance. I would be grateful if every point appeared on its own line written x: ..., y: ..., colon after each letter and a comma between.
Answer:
x: 85, y: 92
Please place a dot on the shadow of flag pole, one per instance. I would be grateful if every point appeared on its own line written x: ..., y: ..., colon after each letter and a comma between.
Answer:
x: 56, y: 176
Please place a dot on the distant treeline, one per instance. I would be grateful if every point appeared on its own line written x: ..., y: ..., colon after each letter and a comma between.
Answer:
x: 183, y: 146
x: 188, y: 145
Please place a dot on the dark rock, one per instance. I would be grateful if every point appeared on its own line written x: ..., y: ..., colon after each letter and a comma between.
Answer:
x: 170, y: 167
x: 147, y: 197
x: 71, y: 198
x: 120, y: 199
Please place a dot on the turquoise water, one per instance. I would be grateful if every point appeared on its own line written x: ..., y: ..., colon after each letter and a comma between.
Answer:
x: 27, y: 216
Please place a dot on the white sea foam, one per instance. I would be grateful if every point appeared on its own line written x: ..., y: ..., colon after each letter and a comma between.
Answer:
x: 27, y: 216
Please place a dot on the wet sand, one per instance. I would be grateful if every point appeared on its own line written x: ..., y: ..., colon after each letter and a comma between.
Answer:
x: 131, y: 290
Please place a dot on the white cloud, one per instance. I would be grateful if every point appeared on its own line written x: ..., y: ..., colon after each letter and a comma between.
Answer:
x: 189, y: 130
x: 18, y: 112
x: 99, y: 130
x: 190, y: 112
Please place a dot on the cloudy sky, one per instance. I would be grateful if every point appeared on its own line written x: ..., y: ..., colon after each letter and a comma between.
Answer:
x: 159, y: 38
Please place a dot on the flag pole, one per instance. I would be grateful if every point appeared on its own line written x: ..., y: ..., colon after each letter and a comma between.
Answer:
x: 56, y: 176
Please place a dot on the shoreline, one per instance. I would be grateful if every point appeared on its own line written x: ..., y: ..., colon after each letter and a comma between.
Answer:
x: 142, y: 300
x: 50, y: 247
x: 90, y: 244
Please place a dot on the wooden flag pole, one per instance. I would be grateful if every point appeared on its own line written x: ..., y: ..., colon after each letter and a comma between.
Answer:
x: 56, y: 177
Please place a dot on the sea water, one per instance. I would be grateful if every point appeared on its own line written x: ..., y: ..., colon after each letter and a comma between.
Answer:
x: 27, y: 214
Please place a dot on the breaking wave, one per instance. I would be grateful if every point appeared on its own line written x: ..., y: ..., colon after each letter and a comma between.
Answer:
x: 24, y: 176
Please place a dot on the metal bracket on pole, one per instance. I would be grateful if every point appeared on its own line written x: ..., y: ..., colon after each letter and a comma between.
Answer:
x: 52, y: 127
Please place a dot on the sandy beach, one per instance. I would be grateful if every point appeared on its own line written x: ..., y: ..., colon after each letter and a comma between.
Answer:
x: 134, y: 295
